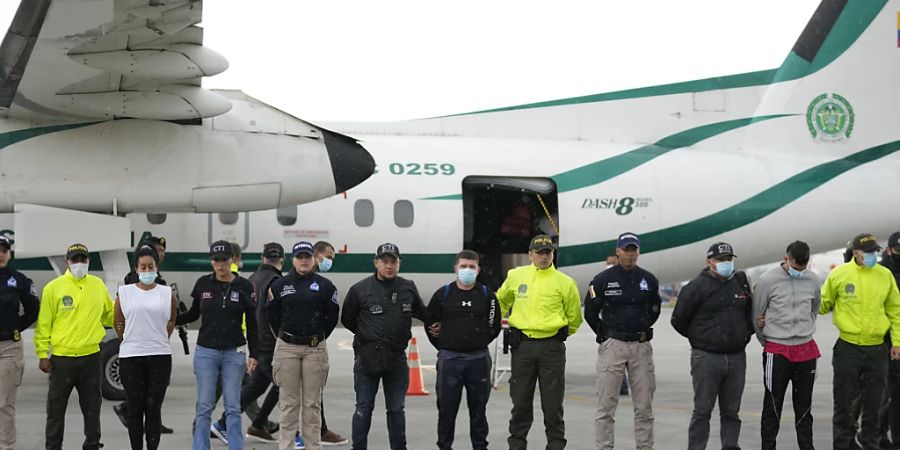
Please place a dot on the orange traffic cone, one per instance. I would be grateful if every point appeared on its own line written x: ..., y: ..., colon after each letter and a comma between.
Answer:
x: 416, y: 383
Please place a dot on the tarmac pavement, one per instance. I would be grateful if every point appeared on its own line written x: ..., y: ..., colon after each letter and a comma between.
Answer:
x: 672, y: 404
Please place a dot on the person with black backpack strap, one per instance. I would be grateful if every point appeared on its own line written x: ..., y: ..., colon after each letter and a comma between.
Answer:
x: 466, y: 316
x: 714, y: 311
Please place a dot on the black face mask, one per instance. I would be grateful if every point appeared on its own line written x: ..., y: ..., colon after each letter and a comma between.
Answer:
x: 896, y: 259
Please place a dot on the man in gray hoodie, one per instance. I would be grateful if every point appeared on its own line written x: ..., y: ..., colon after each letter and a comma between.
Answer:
x: 785, y: 304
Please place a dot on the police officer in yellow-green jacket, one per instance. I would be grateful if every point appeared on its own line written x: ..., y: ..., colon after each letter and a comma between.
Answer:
x: 865, y: 303
x: 546, y: 309
x: 74, y: 308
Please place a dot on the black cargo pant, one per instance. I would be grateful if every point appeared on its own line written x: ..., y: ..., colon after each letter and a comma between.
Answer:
x: 542, y: 361
x: 859, y: 371
x: 145, y: 379
x: 81, y: 373
x: 777, y: 373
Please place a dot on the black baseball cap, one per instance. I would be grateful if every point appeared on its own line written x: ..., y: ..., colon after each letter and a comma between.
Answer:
x: 303, y: 247
x: 628, y: 238
x: 541, y: 242
x: 76, y: 250
x: 388, y: 249
x: 156, y: 240
x: 273, y: 250
x: 720, y: 249
x: 4, y: 242
x: 865, y: 242
x: 894, y: 240
x: 221, y: 249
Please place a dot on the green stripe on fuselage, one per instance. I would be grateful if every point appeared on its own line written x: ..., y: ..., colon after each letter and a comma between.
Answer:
x: 12, y: 137
x: 736, y: 216
x: 600, y: 171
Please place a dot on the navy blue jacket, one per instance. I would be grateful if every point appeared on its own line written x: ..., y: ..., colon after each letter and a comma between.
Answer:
x: 16, y: 289
x: 303, y: 305
x: 624, y: 301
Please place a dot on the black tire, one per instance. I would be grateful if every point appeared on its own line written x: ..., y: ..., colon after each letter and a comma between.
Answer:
x: 111, y: 384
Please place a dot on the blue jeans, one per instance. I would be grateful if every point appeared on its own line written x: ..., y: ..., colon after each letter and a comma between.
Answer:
x: 209, y: 364
x: 395, y: 382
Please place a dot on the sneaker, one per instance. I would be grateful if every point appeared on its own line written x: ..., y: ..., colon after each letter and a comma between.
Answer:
x: 120, y: 413
x: 298, y: 442
x: 165, y: 430
x: 219, y: 432
x: 331, y: 439
x: 260, y: 434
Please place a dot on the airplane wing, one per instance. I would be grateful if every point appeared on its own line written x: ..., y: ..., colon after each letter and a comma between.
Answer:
x: 107, y: 59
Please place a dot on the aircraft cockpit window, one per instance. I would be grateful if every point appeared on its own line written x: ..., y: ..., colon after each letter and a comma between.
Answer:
x: 403, y: 213
x: 287, y: 215
x: 228, y: 218
x: 364, y: 213
x: 156, y: 218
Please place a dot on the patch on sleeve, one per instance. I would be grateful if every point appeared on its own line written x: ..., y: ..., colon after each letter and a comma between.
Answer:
x: 33, y: 290
x: 591, y: 289
x: 334, y: 297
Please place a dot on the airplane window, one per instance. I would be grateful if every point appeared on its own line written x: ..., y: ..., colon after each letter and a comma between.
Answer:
x: 364, y: 213
x: 228, y: 218
x: 403, y: 213
x: 287, y: 215
x: 156, y: 218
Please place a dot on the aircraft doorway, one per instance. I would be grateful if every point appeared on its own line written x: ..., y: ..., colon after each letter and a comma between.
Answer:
x: 501, y: 215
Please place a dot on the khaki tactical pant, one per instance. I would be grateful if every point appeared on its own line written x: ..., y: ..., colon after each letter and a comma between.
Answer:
x: 12, y: 364
x: 300, y: 372
x: 614, y: 357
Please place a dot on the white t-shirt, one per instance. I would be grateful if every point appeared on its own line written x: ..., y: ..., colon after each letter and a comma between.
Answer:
x: 146, y: 315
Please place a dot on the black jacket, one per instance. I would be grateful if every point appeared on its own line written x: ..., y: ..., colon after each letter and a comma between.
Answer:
x: 261, y: 279
x: 382, y: 311
x: 223, y: 307
x: 715, y: 314
x: 626, y: 301
x: 470, y: 319
x: 16, y: 289
x: 888, y: 261
x: 303, y: 305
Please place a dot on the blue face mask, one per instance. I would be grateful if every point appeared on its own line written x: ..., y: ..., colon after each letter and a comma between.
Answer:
x: 794, y: 273
x: 870, y: 259
x: 147, y: 278
x: 325, y: 265
x: 467, y: 276
x: 725, y: 268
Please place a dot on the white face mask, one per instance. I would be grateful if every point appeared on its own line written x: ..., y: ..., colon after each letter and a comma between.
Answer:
x: 79, y: 270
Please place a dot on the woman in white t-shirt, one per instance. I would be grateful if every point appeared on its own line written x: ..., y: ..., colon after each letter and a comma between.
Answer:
x: 145, y: 317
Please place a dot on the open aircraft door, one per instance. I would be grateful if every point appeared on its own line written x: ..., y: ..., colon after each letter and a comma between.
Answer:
x: 501, y: 215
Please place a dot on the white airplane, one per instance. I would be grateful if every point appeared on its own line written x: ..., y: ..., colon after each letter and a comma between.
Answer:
x: 104, y: 97
x: 803, y: 151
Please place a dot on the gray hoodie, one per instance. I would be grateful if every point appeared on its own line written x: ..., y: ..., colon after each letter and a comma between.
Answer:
x: 789, y: 305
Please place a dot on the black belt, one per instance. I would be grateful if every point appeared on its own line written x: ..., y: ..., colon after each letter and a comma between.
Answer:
x: 643, y: 336
x: 312, y: 341
x: 10, y: 335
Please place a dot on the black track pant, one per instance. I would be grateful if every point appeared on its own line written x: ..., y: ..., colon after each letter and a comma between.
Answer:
x: 145, y: 379
x: 777, y: 373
